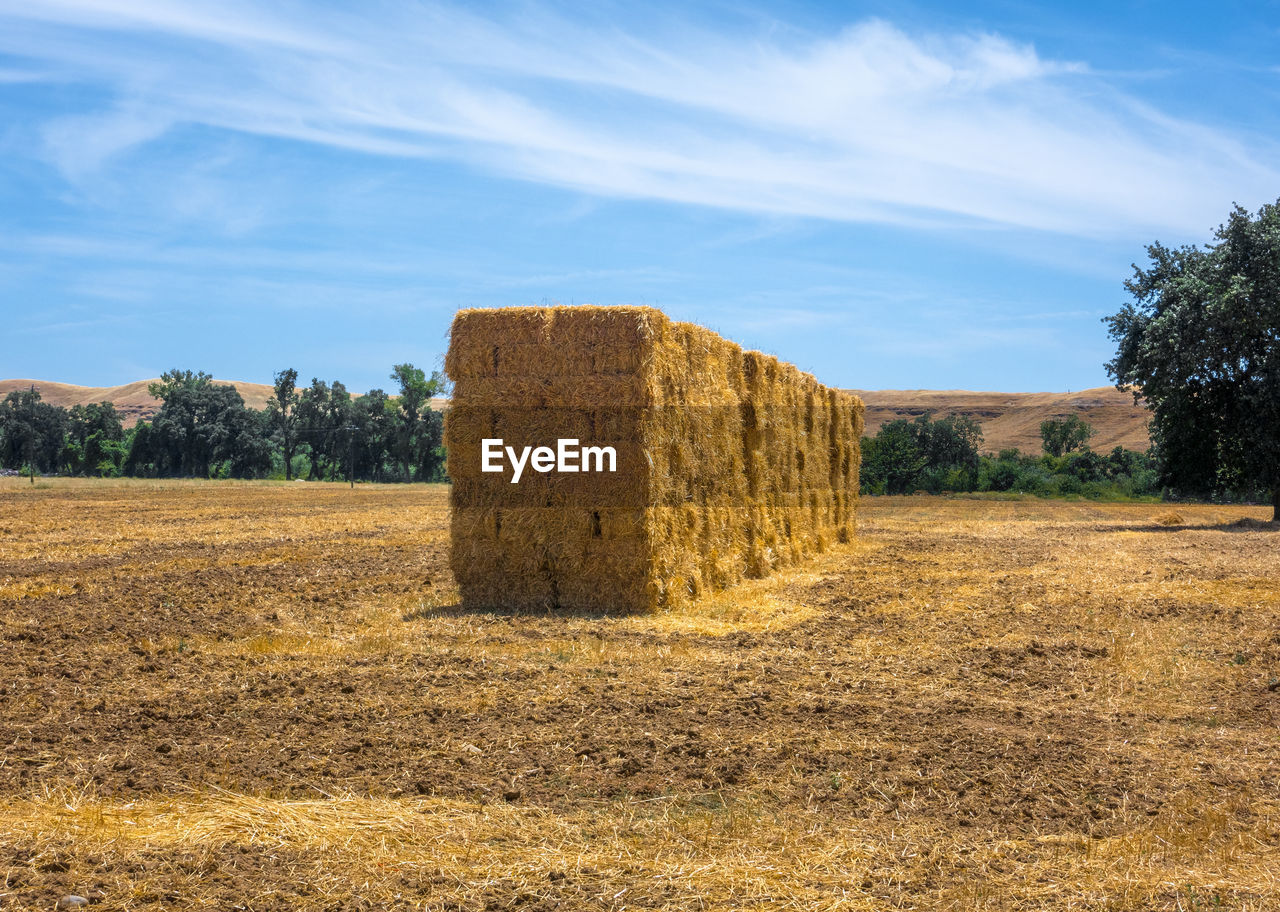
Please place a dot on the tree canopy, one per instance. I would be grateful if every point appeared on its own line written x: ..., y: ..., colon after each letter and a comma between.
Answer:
x: 906, y: 455
x: 31, y: 431
x: 282, y: 416
x: 1200, y: 343
x: 1064, y: 435
x: 201, y: 424
x: 419, y: 432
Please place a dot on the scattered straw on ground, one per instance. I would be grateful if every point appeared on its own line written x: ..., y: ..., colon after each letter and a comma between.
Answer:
x: 267, y: 696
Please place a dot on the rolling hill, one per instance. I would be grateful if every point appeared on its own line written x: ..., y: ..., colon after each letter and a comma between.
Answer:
x: 132, y: 399
x: 1013, y: 419
x: 1007, y: 419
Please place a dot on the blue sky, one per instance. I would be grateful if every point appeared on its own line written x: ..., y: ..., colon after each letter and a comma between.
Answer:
x: 888, y: 195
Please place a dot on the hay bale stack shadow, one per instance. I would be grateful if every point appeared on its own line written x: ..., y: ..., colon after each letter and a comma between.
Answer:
x: 1244, y: 524
x: 461, y: 609
x: 727, y: 464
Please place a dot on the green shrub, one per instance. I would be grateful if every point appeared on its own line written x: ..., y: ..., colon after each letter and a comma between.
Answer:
x: 1063, y: 484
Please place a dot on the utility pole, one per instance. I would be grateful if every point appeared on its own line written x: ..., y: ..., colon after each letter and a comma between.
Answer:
x: 31, y: 443
x: 351, y: 454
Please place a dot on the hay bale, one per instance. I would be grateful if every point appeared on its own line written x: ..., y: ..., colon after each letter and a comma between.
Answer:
x: 728, y: 463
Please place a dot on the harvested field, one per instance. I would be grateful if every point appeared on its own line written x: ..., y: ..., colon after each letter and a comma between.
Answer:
x: 220, y: 695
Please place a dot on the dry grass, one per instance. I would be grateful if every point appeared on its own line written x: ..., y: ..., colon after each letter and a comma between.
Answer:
x: 667, y: 852
x: 1013, y: 419
x: 267, y: 696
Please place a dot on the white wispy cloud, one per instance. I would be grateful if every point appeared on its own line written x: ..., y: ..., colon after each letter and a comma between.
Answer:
x: 869, y: 124
x: 81, y: 144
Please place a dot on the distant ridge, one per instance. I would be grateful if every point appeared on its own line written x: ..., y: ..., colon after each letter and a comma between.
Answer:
x: 132, y: 399
x: 1013, y: 419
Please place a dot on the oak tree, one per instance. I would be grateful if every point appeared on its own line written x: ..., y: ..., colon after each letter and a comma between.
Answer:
x: 1200, y: 343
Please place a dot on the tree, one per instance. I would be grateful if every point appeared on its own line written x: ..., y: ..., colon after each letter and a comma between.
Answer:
x: 906, y: 455
x: 1062, y: 435
x: 419, y: 430
x: 313, y: 406
x: 891, y: 459
x: 337, y: 419
x: 239, y: 437
x: 373, y: 415
x: 950, y: 442
x: 282, y: 416
x: 174, y: 441
x: 1200, y: 343
x: 94, y: 444
x: 202, y: 426
x: 32, y: 432
x: 143, y: 459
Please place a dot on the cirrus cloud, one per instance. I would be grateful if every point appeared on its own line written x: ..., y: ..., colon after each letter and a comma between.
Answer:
x: 872, y: 124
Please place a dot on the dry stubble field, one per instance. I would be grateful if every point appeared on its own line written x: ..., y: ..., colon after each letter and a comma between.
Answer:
x: 256, y: 696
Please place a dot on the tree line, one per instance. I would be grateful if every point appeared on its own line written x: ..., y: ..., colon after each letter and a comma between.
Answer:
x: 204, y: 430
x: 321, y: 432
x: 943, y: 455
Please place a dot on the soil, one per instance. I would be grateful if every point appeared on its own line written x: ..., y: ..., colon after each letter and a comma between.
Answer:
x: 967, y: 666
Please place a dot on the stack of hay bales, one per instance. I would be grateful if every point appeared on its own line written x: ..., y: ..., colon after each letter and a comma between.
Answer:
x: 729, y: 463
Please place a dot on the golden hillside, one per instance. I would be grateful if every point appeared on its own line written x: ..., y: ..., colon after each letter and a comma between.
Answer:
x: 132, y: 399
x: 1013, y: 419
